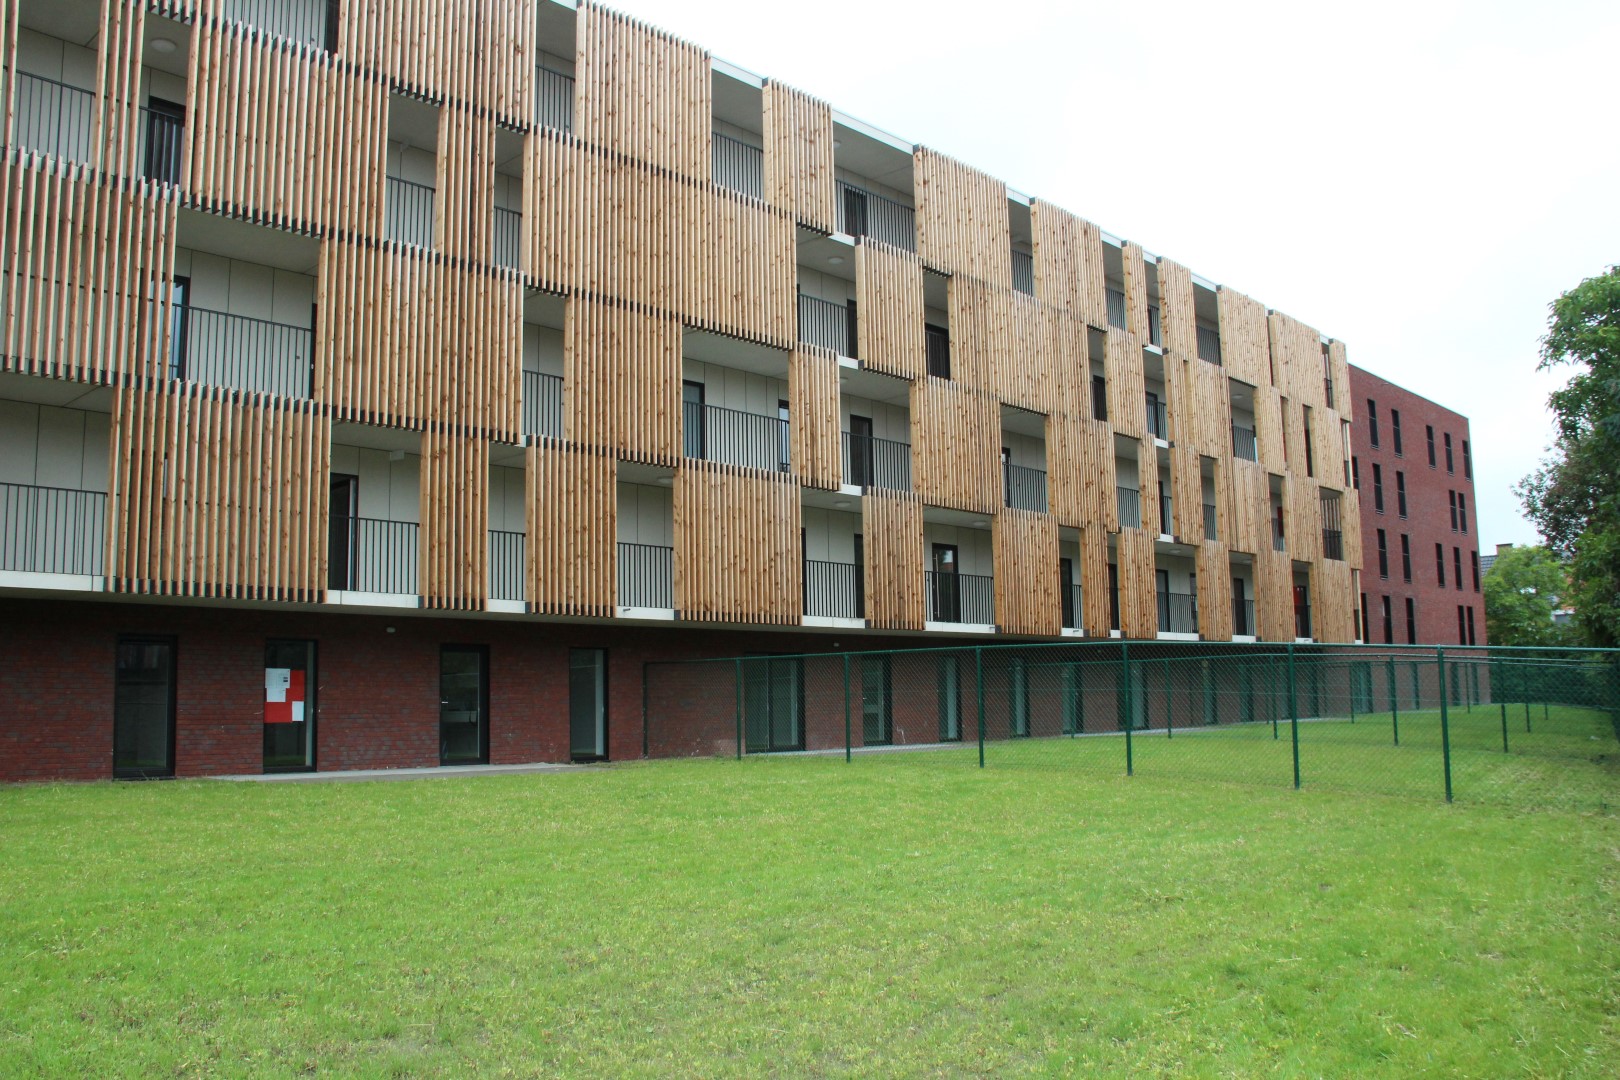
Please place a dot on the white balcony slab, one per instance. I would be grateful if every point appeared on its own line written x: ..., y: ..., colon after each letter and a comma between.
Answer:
x: 1069, y: 631
x: 828, y: 622
x: 662, y: 614
x: 351, y: 598
x: 1165, y: 635
x: 22, y: 579
x: 507, y: 607
x: 960, y: 627
x: 1304, y: 641
x: 1246, y: 638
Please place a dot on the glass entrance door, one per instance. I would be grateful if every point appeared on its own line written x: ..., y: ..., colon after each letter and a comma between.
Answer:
x: 289, y: 706
x: 587, y: 704
x: 947, y: 596
x: 463, y: 705
x: 877, y: 726
x: 143, y: 708
x: 341, y: 526
x: 773, y: 704
x: 950, y: 698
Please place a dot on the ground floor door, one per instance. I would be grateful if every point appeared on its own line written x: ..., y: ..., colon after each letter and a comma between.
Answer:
x: 877, y: 702
x: 950, y: 697
x: 143, y: 708
x: 773, y: 704
x: 289, y: 706
x: 587, y: 704
x: 463, y: 705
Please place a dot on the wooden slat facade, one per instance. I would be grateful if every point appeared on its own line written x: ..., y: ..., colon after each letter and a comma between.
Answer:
x: 1085, y: 490
x: 799, y: 157
x: 892, y: 524
x: 622, y: 381
x: 815, y: 435
x: 572, y: 509
x: 1138, y: 596
x: 962, y: 223
x: 737, y: 551
x: 889, y: 297
x: 955, y: 446
x: 1025, y: 547
x: 1069, y: 271
x: 1215, y: 591
x: 454, y: 515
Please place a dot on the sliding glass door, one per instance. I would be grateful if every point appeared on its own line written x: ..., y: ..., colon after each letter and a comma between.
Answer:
x: 143, y: 708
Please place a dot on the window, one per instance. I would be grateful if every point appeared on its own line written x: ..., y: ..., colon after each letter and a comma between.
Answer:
x: 1406, y: 557
x: 1448, y: 453
x: 1372, y: 422
x: 1395, y: 429
x: 1310, y: 457
x: 1451, y: 498
x: 1400, y: 493
x: 1361, y: 625
x: 1428, y: 431
x: 1411, y: 622
x: 165, y: 121
x: 877, y: 702
x: 1440, y: 564
x: 1470, y: 625
x: 693, y: 436
x: 939, y: 351
x: 180, y: 332
x: 1389, y: 624
x: 783, y: 439
x: 1456, y: 565
x: 587, y: 704
x: 1473, y: 562
x: 1462, y: 510
x: 463, y: 705
x: 1099, y: 398
x: 1378, y: 488
x: 143, y: 708
x: 1468, y: 462
x: 289, y: 706
x: 1355, y: 473
x: 1383, y: 555
x: 1462, y: 626
x: 773, y: 704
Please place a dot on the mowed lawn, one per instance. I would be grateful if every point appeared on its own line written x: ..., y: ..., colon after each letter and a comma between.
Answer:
x: 803, y: 917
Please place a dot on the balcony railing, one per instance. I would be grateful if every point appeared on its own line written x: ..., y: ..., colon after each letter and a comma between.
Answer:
x: 1209, y: 345
x: 542, y: 404
x: 1302, y: 620
x: 1210, y: 530
x: 51, y: 117
x: 738, y: 166
x: 1278, y: 541
x: 1023, y: 272
x: 374, y: 556
x: 961, y: 598
x: 1243, y: 444
x: 508, y: 237
x: 1178, y: 613
x: 870, y: 462
x: 506, y: 565
x: 715, y: 433
x: 1167, y: 522
x: 242, y: 352
x: 1073, y: 606
x: 833, y: 590
x: 646, y: 576
x: 305, y: 22
x: 1023, y: 488
x: 1243, y: 617
x: 409, y: 212
x: 164, y: 135
x: 1158, y: 417
x: 827, y: 324
x: 46, y: 530
x: 553, y: 99
x: 1116, y: 308
x: 1155, y: 327
x: 1332, y: 544
x: 866, y: 213
x: 1130, y: 508
x: 939, y: 352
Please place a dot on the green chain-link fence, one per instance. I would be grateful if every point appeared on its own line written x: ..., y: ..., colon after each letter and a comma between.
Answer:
x: 1522, y: 726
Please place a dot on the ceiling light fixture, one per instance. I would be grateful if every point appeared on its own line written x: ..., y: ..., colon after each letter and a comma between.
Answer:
x: 162, y: 45
x: 836, y: 260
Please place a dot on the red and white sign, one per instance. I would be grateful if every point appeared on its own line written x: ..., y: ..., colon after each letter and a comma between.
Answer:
x: 283, y: 695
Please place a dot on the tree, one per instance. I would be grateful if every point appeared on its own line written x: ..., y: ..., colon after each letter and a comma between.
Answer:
x: 1521, y: 590
x: 1574, y: 497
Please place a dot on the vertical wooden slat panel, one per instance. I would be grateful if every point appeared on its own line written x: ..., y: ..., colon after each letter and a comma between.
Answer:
x: 454, y: 538
x: 1178, y: 316
x: 1082, y: 477
x: 571, y: 501
x: 1136, y: 295
x: 1273, y: 595
x: 962, y: 222
x: 1138, y: 604
x: 622, y: 381
x: 891, y: 319
x: 737, y: 549
x: 892, y: 531
x: 1094, y: 598
x: 1245, y: 338
x: 1214, y: 591
x: 1069, y: 273
x: 955, y: 446
x: 1127, y: 384
x: 799, y: 156
x: 813, y: 406
x: 1186, y: 496
x: 1025, y: 546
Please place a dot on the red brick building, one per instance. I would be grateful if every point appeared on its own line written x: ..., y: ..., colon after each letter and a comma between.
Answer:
x: 1412, y: 462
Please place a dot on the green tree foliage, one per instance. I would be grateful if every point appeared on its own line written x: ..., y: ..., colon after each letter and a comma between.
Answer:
x: 1574, y: 497
x: 1520, y: 592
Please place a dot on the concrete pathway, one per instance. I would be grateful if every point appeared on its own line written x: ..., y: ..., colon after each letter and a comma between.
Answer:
x: 427, y: 773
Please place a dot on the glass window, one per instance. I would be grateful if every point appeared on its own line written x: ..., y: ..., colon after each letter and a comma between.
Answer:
x: 143, y: 708
x: 463, y: 705
x: 587, y: 704
x: 289, y: 706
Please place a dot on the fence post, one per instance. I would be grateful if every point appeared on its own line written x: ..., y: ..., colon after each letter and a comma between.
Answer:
x: 739, y: 711
x: 1394, y: 705
x: 1130, y: 708
x: 1445, y: 723
x: 978, y: 669
x: 848, y: 754
x: 1352, y: 687
x: 1271, y: 681
x: 1293, y: 713
x: 1169, y: 702
x: 1504, y: 727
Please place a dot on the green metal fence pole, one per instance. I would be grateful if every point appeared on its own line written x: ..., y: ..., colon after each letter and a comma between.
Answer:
x: 978, y: 669
x: 1293, y: 713
x: 739, y: 712
x: 1394, y: 705
x: 1130, y: 708
x: 1445, y: 724
x: 848, y: 753
x: 1504, y: 728
x: 1169, y: 702
x: 1271, y: 683
x: 1352, y: 688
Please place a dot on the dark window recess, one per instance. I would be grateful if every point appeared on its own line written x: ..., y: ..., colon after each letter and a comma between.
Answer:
x: 1462, y: 626
x: 1411, y: 622
x: 773, y: 704
x: 1470, y: 625
x: 1363, y: 627
x: 1448, y: 453
x: 1473, y: 561
x: 1456, y: 566
x: 1468, y: 462
x: 939, y: 351
x: 1355, y: 473
x: 180, y: 330
x: 463, y: 705
x: 1378, y: 488
x: 851, y: 330
x: 1099, y: 398
x: 1462, y: 510
x: 333, y: 20
x: 1440, y: 564
x: 1400, y: 493
x: 1451, y: 498
x: 165, y: 134
x: 1372, y: 422
x: 342, y: 525
x: 1389, y: 624
x: 587, y: 704
x: 289, y: 706
x: 1428, y: 430
x: 1406, y: 557
x: 1113, y: 596
x: 1383, y: 555
x: 143, y: 708
x: 1395, y: 429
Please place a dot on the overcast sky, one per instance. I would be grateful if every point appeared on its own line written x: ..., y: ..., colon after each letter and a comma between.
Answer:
x: 1419, y: 179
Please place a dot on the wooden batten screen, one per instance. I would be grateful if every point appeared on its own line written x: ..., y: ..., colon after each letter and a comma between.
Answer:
x: 1082, y: 484
x: 1136, y: 293
x: 218, y: 494
x: 1350, y: 516
x: 1096, y: 614
x: 573, y: 528
x: 622, y: 381
x: 1333, y: 600
x: 1186, y: 495
x: 738, y: 556
x: 1127, y: 384
x: 1147, y: 484
x: 799, y: 157
x: 642, y: 93
x: 1245, y: 338
x: 115, y: 114
x: 813, y: 404
x: 1066, y: 353
x: 1069, y: 269
x: 1215, y: 591
x: 1211, y: 409
x: 1327, y: 444
x: 1270, y: 430
x: 1302, y: 507
x: 479, y: 53
x: 283, y: 134
x: 955, y: 446
x: 405, y: 339
x: 1178, y: 312
x: 1339, y: 364
x: 962, y: 222
x: 1274, y: 596
x: 890, y: 330
x: 1022, y: 373
x: 464, y: 207
x: 78, y: 273
x: 1250, y: 521
x: 1138, y: 596
x: 1025, y: 546
x: 454, y: 562
x: 1296, y: 360
x: 737, y: 266
x: 895, y: 554
x: 8, y: 56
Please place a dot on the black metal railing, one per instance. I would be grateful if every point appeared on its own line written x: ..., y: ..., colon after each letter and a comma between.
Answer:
x: 871, y: 462
x: 51, y: 117
x: 1073, y: 606
x: 307, y: 23
x: 1242, y: 617
x: 508, y: 237
x: 1210, y: 529
x: 242, y: 352
x: 1023, y: 272
x: 1158, y: 417
x: 506, y: 565
x: 1116, y: 308
x: 1243, y: 444
x: 163, y: 136
x: 961, y: 598
x: 1209, y: 345
x: 1327, y: 391
x: 1178, y: 613
x: 1332, y: 544
x: 382, y: 556
x: 866, y: 213
x: 715, y: 433
x: 1023, y: 488
x: 646, y: 576
x: 553, y: 99
x: 827, y: 324
x: 1278, y: 541
x: 409, y: 212
x: 1155, y: 327
x: 47, y: 530
x: 542, y: 404
x: 1130, y: 507
x: 738, y: 166
x: 939, y: 352
x: 833, y: 590
x: 1166, y: 521
x: 1302, y: 620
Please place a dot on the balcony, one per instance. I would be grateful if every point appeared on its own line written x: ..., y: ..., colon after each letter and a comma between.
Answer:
x: 553, y: 100
x: 1210, y: 530
x: 1116, y: 308
x: 828, y: 325
x: 1302, y: 620
x: 1023, y: 488
x: 834, y: 590
x: 646, y: 576
x: 1158, y: 418
x: 241, y: 352
x: 1244, y: 446
x: 1178, y: 613
x: 309, y: 23
x: 1130, y: 508
x: 1278, y: 541
x: 1209, y: 345
x: 46, y: 530
x: 866, y: 213
x: 51, y: 117
x: 373, y: 556
x: 961, y: 598
x: 409, y: 212
x: 1333, y: 544
x: 1073, y: 606
x: 163, y: 151
x: 870, y: 462
x: 714, y: 433
x: 1023, y: 272
x: 508, y: 237
x: 738, y: 166
x: 1155, y: 327
x: 1166, y: 520
x: 1242, y: 617
x: 542, y: 404
x: 506, y: 565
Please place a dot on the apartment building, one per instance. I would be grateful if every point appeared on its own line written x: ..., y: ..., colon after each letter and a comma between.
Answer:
x: 1413, y: 466
x: 382, y: 385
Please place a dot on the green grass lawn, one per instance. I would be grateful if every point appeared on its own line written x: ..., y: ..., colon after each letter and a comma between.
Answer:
x: 800, y: 916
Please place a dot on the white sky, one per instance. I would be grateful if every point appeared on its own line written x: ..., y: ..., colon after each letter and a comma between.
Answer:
x: 1419, y: 179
